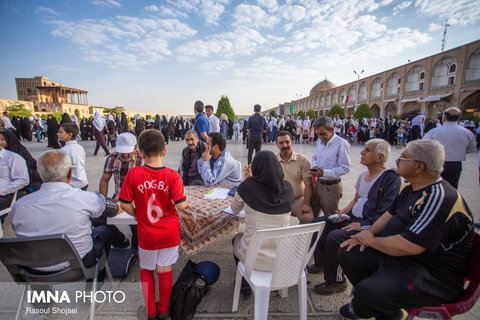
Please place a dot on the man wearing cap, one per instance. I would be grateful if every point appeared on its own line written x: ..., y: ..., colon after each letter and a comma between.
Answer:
x: 188, y: 169
x: 118, y: 164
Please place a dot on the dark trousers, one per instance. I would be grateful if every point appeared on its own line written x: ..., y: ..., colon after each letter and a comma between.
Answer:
x: 102, y: 241
x: 452, y: 171
x: 253, y: 143
x: 5, y: 202
x: 380, y: 289
x: 117, y: 236
x: 104, y: 149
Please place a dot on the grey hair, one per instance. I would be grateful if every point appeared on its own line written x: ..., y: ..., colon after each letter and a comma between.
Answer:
x: 430, y: 152
x: 53, y: 165
x: 381, y: 147
x: 325, y: 122
x: 191, y: 132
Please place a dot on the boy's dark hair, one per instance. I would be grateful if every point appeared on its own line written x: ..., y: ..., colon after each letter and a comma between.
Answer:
x: 284, y: 133
x: 257, y: 108
x: 70, y: 128
x: 209, y: 106
x: 151, y: 142
x: 198, y: 106
x: 218, y: 139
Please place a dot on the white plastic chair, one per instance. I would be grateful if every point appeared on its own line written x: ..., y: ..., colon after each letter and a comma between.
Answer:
x: 5, y: 211
x: 292, y: 255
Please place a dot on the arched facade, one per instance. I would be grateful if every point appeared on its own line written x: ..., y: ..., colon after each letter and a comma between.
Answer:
x: 414, y: 79
x: 412, y: 105
x: 335, y: 97
x: 363, y: 91
x: 377, y: 86
x: 328, y: 100
x: 444, y: 73
x: 375, y: 110
x: 342, y: 94
x: 471, y: 104
x: 391, y: 109
x: 352, y: 92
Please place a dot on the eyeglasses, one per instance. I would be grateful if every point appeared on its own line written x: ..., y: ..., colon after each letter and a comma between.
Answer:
x: 403, y: 158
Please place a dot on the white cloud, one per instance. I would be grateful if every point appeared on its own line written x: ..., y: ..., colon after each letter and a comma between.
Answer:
x: 293, y: 13
x: 107, y: 3
x: 210, y: 10
x: 216, y: 66
x: 458, y: 12
x: 401, y: 6
x: 152, y: 8
x: 270, y: 5
x: 434, y: 27
x: 253, y: 16
x: 123, y: 41
x: 44, y: 10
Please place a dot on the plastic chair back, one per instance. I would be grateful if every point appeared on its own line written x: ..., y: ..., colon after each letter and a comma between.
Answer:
x: 294, y: 250
x: 21, y: 255
x: 471, y: 287
x: 7, y: 210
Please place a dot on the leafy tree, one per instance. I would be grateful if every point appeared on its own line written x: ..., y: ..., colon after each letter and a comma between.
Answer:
x: 471, y: 116
x: 363, y: 111
x: 225, y: 107
x: 336, y: 109
x: 301, y: 114
x: 57, y: 115
x: 273, y: 113
x: 114, y: 110
x: 396, y: 116
x: 18, y: 110
x: 311, y: 114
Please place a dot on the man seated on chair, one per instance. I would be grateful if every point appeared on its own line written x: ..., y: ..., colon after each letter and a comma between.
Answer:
x: 375, y: 190
x: 13, y: 175
x: 416, y: 253
x: 217, y: 166
x: 188, y: 169
x: 59, y: 208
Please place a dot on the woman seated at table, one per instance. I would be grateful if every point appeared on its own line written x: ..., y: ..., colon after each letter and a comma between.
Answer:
x: 267, y: 199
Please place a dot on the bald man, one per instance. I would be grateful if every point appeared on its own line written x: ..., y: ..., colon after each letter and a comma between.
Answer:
x: 456, y: 141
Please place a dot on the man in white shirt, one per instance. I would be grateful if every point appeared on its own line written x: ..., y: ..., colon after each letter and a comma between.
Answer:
x: 338, y: 125
x: 68, y: 133
x: 59, y: 208
x: 330, y: 161
x: 13, y: 175
x: 456, y: 141
x: 7, y: 123
x: 212, y: 119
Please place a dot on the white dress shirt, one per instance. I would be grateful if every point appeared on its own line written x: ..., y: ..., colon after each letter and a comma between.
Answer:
x: 8, y: 124
x: 337, y: 122
x: 214, y: 123
x: 58, y: 208
x: 456, y: 141
x: 333, y: 158
x: 13, y: 172
x: 77, y: 155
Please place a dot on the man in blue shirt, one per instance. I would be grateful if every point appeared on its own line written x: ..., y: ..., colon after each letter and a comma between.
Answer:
x: 201, y: 127
x: 255, y: 127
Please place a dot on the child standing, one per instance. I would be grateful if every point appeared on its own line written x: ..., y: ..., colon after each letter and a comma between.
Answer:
x: 157, y: 192
x: 68, y: 133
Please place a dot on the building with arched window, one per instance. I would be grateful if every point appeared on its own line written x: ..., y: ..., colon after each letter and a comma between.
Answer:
x: 430, y: 85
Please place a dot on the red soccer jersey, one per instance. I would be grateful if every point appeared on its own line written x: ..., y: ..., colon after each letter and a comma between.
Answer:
x: 155, y: 192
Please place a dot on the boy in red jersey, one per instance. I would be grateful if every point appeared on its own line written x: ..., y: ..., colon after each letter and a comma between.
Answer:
x: 157, y: 192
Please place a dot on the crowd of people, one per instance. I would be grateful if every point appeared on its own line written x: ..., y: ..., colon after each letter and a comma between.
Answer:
x: 401, y: 246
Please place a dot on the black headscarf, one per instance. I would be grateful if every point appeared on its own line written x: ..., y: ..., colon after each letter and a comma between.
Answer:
x: 266, y: 191
x: 158, y: 121
x: 124, y: 123
x: 65, y: 119
x: 52, y: 124
x: 14, y: 145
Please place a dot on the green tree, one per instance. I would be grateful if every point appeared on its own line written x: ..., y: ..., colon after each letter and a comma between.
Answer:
x: 363, y: 111
x: 114, y: 110
x: 57, y: 115
x: 225, y: 107
x: 18, y: 110
x: 311, y: 114
x: 336, y: 109
x: 301, y: 114
x: 273, y: 113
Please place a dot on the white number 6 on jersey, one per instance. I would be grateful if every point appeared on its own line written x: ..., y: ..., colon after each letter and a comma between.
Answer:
x: 154, y: 212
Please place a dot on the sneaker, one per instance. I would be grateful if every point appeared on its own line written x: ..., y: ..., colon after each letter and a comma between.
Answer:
x: 314, y: 269
x: 347, y: 312
x: 326, y: 288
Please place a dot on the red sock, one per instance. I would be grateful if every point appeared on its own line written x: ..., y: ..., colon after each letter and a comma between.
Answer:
x: 165, y: 280
x: 148, y: 289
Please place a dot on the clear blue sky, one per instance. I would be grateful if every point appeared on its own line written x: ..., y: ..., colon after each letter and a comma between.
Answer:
x: 161, y: 56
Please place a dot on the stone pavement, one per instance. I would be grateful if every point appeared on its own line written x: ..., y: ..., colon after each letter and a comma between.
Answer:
x: 218, y: 302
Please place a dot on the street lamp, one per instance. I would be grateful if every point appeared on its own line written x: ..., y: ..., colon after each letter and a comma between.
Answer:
x: 358, y: 80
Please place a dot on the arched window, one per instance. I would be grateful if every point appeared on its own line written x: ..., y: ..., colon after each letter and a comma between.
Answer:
x: 393, y: 85
x: 335, y: 97
x: 414, y: 80
x: 363, y: 91
x: 376, y: 88
x: 473, y: 68
x: 352, y: 93
x: 328, y: 101
x: 442, y: 75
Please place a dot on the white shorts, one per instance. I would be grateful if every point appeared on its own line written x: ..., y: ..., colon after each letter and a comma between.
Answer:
x: 149, y: 259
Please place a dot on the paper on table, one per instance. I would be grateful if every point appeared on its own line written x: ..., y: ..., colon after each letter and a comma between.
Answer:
x: 217, y: 193
x: 229, y: 210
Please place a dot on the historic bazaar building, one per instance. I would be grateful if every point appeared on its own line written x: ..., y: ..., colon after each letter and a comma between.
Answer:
x: 432, y: 84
